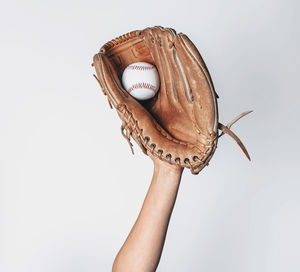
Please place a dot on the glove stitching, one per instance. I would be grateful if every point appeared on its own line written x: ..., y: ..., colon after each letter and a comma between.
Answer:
x: 135, y: 129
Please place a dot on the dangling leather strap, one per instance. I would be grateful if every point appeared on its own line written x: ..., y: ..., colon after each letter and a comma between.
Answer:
x: 226, y: 129
x: 127, y: 136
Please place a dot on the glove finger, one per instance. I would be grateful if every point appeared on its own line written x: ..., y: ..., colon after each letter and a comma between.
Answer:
x: 109, y: 80
x: 176, y: 82
x: 181, y: 89
x: 156, y: 39
x: 178, y: 89
x: 199, y: 83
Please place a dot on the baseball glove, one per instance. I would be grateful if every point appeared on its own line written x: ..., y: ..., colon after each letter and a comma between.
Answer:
x: 180, y: 124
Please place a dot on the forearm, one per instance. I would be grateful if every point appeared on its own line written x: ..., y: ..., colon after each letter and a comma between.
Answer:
x: 142, y: 249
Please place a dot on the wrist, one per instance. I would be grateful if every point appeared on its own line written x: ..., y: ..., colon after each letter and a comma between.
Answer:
x: 165, y: 166
x: 165, y: 169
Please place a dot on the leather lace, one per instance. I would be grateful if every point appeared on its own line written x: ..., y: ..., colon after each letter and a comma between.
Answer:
x: 226, y: 129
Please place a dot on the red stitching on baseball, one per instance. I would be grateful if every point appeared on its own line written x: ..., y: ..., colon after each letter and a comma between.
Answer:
x: 141, y: 85
x: 140, y: 68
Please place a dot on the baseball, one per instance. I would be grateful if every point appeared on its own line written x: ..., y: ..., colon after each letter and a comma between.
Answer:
x: 141, y: 80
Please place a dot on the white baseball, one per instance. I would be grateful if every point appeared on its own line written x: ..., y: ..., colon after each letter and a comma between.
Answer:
x: 141, y: 80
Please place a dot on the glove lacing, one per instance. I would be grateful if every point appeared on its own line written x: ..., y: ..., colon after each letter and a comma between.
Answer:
x: 226, y: 129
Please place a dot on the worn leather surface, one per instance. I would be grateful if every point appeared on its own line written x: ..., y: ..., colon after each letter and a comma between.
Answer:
x: 180, y: 124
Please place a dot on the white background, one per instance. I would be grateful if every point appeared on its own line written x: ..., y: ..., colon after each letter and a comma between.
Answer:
x: 69, y: 188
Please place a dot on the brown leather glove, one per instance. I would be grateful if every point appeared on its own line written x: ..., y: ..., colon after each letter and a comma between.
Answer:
x: 180, y: 124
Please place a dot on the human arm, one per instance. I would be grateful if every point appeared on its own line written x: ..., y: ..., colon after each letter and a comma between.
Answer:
x: 143, y: 247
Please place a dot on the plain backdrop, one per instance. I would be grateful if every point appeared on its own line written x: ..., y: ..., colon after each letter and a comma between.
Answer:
x: 70, y: 190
